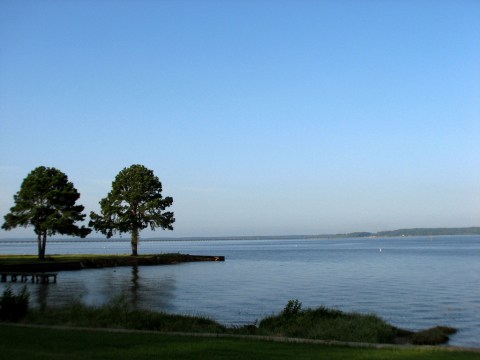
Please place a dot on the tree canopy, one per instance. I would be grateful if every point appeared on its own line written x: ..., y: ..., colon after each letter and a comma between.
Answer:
x: 46, y: 200
x: 134, y: 203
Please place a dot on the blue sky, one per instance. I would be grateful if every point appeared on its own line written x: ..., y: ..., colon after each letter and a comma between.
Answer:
x: 259, y: 117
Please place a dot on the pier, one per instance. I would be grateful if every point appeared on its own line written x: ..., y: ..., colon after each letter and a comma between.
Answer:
x: 39, y: 278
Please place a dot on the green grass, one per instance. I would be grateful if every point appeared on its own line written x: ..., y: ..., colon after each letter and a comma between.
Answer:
x: 331, y: 324
x: 18, y: 343
x: 26, y: 259
x: 293, y: 322
x: 29, y: 259
x: 321, y: 323
x: 79, y: 261
x: 27, y: 342
x: 120, y: 315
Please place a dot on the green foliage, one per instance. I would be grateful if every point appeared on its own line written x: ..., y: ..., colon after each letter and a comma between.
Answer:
x: 134, y: 203
x: 327, y: 324
x: 46, y: 200
x: 293, y: 322
x: 13, y: 307
x: 331, y: 324
x: 293, y: 307
x: 120, y: 314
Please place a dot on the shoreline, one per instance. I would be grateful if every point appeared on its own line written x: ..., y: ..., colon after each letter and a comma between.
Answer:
x: 30, y: 263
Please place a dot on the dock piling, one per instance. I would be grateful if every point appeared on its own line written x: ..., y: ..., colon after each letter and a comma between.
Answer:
x: 43, y: 278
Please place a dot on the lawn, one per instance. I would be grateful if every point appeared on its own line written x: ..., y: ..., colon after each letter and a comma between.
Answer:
x: 41, y: 343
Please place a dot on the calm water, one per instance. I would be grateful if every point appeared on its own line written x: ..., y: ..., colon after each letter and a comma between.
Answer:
x: 413, y: 283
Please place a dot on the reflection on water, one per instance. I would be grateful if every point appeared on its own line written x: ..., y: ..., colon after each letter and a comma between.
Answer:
x: 413, y: 283
x: 139, y: 285
x: 39, y: 296
x: 135, y: 286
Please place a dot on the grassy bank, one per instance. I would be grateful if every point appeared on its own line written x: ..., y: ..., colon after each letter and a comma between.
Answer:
x: 143, y: 334
x: 331, y: 324
x: 33, y: 343
x: 120, y: 315
x: 25, y: 263
x: 292, y: 322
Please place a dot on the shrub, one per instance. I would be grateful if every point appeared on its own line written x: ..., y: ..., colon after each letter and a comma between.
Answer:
x: 327, y: 324
x: 13, y: 307
x: 433, y: 336
x: 293, y: 307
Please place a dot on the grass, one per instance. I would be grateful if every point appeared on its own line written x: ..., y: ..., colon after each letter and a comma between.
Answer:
x: 27, y: 259
x: 120, y: 315
x: 19, y: 343
x: 29, y: 342
x: 330, y: 324
x: 321, y: 323
x: 29, y: 263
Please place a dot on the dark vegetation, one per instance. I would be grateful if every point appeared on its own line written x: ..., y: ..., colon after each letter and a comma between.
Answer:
x: 14, y: 307
x: 328, y: 324
x: 292, y: 322
x: 28, y: 263
x: 331, y: 324
x: 47, y: 201
x: 118, y: 314
x: 135, y: 203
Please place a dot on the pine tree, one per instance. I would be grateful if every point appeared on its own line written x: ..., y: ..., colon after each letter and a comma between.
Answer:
x: 135, y: 202
x: 46, y: 200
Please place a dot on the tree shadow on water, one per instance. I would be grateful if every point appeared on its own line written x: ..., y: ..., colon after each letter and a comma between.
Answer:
x: 145, y: 289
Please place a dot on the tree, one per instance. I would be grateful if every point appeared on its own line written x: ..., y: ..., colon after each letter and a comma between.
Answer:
x: 46, y: 201
x: 134, y: 203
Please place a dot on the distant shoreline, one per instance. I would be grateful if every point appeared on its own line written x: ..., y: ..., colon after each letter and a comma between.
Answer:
x: 466, y: 231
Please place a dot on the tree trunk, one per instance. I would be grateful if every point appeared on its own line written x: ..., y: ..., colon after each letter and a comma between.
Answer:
x: 39, y: 241
x: 135, y: 242
x: 42, y: 244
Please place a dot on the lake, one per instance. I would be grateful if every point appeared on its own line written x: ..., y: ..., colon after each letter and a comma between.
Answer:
x: 412, y: 282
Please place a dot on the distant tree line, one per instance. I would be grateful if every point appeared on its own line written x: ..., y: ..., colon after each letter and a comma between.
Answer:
x: 416, y: 232
x: 47, y: 202
x: 431, y: 232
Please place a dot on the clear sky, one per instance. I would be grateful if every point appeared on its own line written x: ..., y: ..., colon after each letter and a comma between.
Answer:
x: 259, y: 117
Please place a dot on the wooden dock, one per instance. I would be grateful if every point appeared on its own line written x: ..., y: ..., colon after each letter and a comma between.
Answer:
x: 39, y: 278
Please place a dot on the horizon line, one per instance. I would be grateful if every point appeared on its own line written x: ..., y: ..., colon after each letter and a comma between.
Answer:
x: 246, y: 237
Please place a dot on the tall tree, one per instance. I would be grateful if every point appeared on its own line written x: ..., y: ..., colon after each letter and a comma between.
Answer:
x: 134, y: 203
x: 46, y: 200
